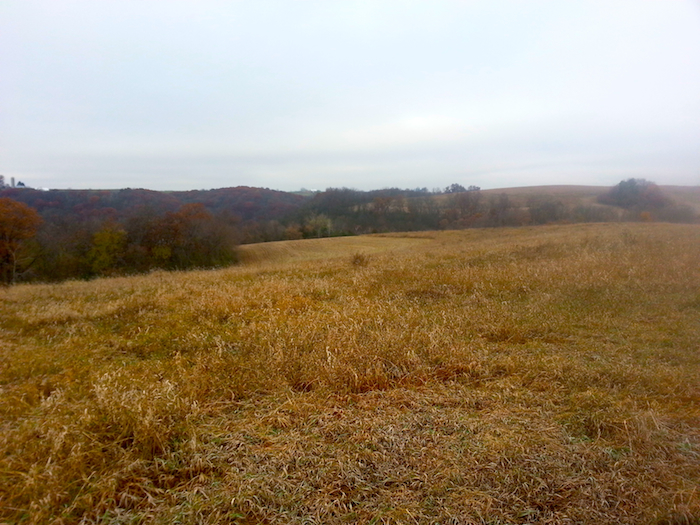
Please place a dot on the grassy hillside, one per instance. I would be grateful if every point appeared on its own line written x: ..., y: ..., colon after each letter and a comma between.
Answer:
x: 572, y: 195
x: 285, y: 252
x: 686, y: 195
x: 531, y: 375
x: 569, y: 195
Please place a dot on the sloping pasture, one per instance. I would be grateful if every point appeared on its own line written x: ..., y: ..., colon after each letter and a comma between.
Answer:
x: 530, y: 375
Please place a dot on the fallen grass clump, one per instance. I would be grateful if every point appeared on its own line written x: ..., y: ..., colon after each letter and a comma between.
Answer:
x: 533, y: 375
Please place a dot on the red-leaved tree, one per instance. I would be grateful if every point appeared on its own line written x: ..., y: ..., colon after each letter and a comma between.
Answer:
x: 18, y: 223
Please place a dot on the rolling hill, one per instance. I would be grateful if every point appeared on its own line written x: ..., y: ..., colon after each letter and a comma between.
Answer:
x: 514, y: 375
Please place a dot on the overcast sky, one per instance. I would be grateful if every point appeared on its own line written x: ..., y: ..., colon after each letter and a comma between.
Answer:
x: 176, y: 95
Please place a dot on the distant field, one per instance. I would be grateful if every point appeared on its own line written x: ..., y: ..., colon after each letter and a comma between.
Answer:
x: 530, y: 375
x: 688, y: 195
x: 587, y: 195
x: 568, y: 194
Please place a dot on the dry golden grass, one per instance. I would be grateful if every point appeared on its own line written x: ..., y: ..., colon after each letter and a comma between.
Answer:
x: 533, y: 375
x: 315, y: 249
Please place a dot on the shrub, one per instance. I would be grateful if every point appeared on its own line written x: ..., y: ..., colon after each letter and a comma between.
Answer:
x: 360, y: 259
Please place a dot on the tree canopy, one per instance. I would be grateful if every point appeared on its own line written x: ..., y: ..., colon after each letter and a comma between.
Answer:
x: 635, y: 193
x: 18, y: 222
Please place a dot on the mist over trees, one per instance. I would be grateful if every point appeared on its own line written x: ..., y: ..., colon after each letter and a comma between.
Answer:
x: 643, y: 200
x: 89, y: 233
x: 639, y: 194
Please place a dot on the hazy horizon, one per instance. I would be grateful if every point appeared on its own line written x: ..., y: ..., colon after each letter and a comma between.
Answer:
x: 359, y: 94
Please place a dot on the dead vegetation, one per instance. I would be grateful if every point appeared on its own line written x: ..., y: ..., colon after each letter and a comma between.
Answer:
x: 534, y: 375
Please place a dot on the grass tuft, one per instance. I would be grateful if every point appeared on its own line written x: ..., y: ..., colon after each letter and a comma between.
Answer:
x: 360, y: 259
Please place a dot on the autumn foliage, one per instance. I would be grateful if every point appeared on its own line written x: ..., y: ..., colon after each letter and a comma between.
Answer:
x: 18, y: 223
x: 89, y: 233
x: 103, y: 245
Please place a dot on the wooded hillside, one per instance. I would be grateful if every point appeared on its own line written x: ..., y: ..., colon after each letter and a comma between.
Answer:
x: 87, y: 233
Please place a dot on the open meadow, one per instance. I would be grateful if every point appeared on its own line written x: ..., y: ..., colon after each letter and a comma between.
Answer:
x: 529, y: 375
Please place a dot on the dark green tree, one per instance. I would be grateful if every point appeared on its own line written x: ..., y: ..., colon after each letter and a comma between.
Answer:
x: 637, y: 194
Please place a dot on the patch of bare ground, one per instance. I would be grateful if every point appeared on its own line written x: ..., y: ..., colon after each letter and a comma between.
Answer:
x: 531, y: 375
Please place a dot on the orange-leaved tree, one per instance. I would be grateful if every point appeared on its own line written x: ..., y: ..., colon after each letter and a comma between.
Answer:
x: 18, y: 222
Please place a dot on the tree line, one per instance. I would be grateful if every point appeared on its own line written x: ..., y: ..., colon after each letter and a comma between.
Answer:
x: 343, y: 211
x: 32, y: 248
x: 65, y: 234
